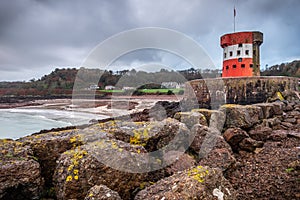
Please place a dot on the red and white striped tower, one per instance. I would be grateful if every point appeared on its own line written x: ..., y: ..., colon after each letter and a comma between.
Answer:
x: 241, y: 55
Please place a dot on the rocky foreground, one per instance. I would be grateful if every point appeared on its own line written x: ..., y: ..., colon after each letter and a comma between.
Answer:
x: 236, y: 152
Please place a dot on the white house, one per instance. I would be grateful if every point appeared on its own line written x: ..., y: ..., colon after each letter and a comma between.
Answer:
x: 109, y: 87
x: 93, y: 87
x: 128, y: 88
x: 172, y: 85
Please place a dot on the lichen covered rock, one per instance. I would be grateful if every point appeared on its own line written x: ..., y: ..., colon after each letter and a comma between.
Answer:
x: 152, y: 135
x: 215, y: 118
x: 196, y: 183
x: 20, y: 175
x: 191, y: 118
x: 101, y: 192
x: 267, y: 109
x: 242, y: 116
x: 211, y: 148
x: 104, y: 162
x: 48, y: 147
x: 181, y: 163
x: 206, y: 139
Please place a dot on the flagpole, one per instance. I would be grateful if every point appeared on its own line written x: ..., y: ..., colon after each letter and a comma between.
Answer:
x: 234, y: 14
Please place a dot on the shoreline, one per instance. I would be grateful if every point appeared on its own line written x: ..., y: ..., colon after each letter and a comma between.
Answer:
x: 62, y: 103
x: 108, y: 109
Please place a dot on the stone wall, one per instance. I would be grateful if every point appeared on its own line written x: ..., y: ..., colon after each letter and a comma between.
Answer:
x: 238, y: 90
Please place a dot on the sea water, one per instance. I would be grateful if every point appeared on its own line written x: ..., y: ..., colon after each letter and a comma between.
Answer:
x: 19, y: 122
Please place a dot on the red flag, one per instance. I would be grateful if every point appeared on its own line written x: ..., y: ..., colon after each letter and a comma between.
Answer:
x: 234, y: 12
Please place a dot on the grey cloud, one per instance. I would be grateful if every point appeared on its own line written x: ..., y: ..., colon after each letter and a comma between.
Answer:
x: 41, y: 34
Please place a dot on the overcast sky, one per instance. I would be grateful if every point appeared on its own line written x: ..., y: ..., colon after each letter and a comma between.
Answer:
x: 37, y: 36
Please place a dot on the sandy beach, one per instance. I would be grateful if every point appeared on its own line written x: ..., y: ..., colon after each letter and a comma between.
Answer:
x: 111, y: 107
x: 23, y: 118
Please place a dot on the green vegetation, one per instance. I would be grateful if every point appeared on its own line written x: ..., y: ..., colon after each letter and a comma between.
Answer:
x: 285, y: 69
x: 288, y: 170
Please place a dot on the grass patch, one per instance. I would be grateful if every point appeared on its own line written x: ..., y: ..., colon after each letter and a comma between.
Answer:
x: 288, y: 170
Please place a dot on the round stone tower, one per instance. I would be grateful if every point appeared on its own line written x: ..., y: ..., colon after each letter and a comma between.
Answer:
x: 241, y: 56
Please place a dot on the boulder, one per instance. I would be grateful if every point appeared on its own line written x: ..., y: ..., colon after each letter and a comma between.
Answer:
x: 292, y: 117
x: 48, y: 147
x: 207, y: 139
x: 294, y: 114
x: 294, y: 134
x: 234, y: 136
x: 215, y: 118
x: 278, y: 135
x: 182, y: 162
x: 290, y: 120
x: 164, y: 109
x: 267, y: 109
x: 114, y: 129
x: 191, y: 118
x: 248, y: 144
x: 219, y: 158
x: 278, y: 107
x: 123, y: 146
x: 20, y: 173
x: 168, y: 135
x: 101, y: 192
x: 241, y: 116
x: 105, y: 162
x: 152, y: 135
x: 273, y: 123
x: 211, y: 148
x: 171, y: 163
x: 286, y: 125
x: 196, y: 183
x: 288, y: 107
x: 260, y: 133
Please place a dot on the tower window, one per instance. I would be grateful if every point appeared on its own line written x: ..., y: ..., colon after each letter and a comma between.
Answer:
x: 251, y: 65
x: 240, y: 59
x: 225, y: 55
x: 243, y: 65
x: 238, y: 52
x: 227, y: 67
x: 247, y: 52
x: 254, y: 52
x: 234, y: 66
x: 240, y: 45
x: 230, y: 53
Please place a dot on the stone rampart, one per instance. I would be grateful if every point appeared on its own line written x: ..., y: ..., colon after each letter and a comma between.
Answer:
x: 238, y: 90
